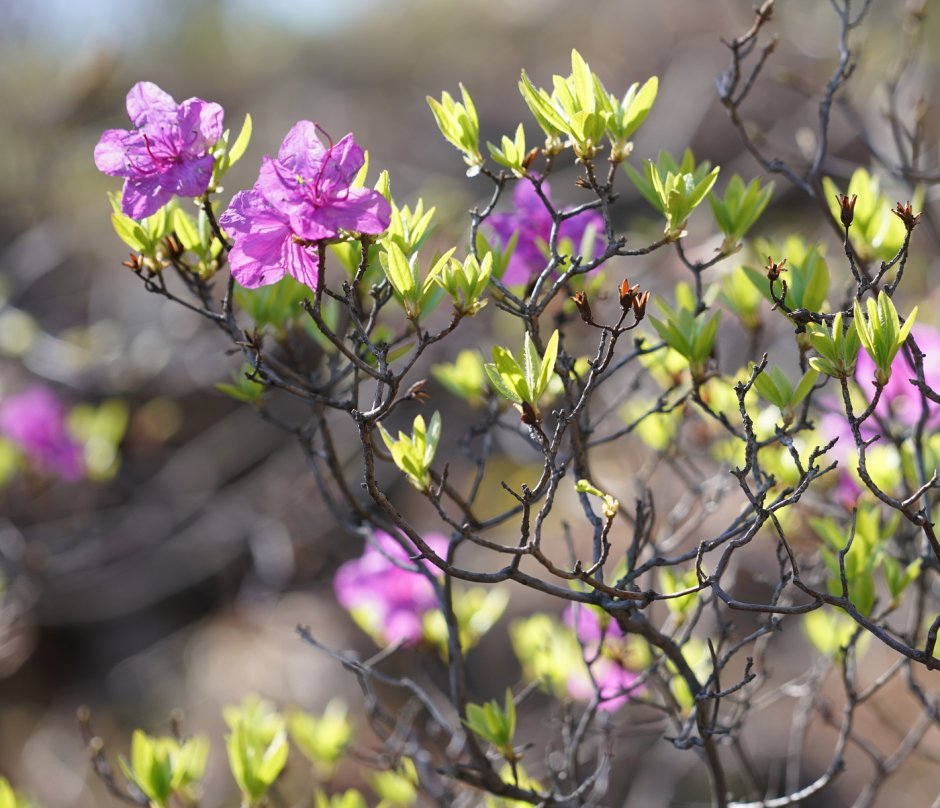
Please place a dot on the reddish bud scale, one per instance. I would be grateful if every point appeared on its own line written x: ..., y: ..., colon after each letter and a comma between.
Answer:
x: 529, y: 416
x: 774, y: 269
x: 846, y: 208
x: 530, y: 158
x: 584, y: 308
x: 906, y: 214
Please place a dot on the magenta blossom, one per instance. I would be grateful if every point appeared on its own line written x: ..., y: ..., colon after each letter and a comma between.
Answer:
x: 385, y: 592
x: 899, y: 405
x: 900, y: 400
x: 302, y: 197
x: 34, y: 421
x: 169, y: 153
x: 533, y: 223
x: 607, y: 655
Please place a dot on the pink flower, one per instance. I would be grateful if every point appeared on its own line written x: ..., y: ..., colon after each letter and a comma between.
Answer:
x: 533, y: 223
x: 900, y: 404
x: 900, y: 400
x: 167, y: 154
x: 385, y: 590
x: 607, y: 655
x: 615, y: 684
x: 302, y: 197
x: 34, y: 421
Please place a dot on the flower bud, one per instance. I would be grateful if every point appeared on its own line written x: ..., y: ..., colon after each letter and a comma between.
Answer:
x: 133, y: 262
x: 584, y: 308
x: 774, y: 269
x: 417, y: 392
x: 906, y: 214
x: 530, y: 158
x: 529, y: 416
x: 628, y: 293
x: 846, y: 208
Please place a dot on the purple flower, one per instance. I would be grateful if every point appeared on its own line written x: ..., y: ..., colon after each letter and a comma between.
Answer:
x: 900, y: 400
x: 607, y: 655
x: 900, y: 404
x: 533, y: 223
x: 167, y: 154
x: 34, y: 420
x: 300, y: 198
x: 384, y: 590
x: 615, y: 684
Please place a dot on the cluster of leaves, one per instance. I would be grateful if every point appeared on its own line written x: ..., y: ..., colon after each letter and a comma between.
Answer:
x: 167, y: 771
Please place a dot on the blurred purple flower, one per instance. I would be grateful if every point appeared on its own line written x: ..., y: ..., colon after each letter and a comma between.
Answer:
x: 302, y: 197
x: 385, y: 591
x: 167, y: 154
x: 900, y: 400
x: 34, y: 421
x: 900, y: 404
x: 534, y: 224
x: 606, y: 654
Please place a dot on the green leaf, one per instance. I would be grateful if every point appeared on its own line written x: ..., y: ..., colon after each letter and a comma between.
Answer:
x: 547, y: 366
x: 185, y: 228
x: 540, y: 104
x: 238, y: 148
x: 512, y: 374
x: 583, y: 82
x: 530, y: 364
x: 322, y: 739
x: 464, y: 378
x: 638, y: 107
x: 274, y: 759
x: 130, y: 232
x: 413, y: 454
x: 803, y: 387
x: 398, y: 271
x: 459, y: 125
x: 502, y: 388
x: 350, y: 798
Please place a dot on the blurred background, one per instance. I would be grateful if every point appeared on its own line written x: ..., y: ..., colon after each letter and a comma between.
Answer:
x: 175, y: 577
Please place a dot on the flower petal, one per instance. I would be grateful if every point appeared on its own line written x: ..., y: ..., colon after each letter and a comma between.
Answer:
x: 302, y: 263
x: 190, y: 177
x: 261, y: 236
x: 112, y: 148
x: 147, y: 104
x: 301, y: 151
x: 529, y: 205
x: 361, y: 211
x: 143, y: 196
x: 36, y: 422
x: 199, y: 126
x: 340, y: 165
x: 574, y: 228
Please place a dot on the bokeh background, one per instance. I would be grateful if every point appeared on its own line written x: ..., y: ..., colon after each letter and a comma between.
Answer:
x: 176, y: 579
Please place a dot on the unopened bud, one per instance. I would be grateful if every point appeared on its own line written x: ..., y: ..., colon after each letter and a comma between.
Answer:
x: 773, y: 269
x: 529, y: 416
x: 174, y: 245
x: 628, y: 293
x: 584, y: 308
x: 846, y: 208
x: 416, y: 392
x: 906, y: 214
x: 132, y: 263
x: 553, y: 145
x: 530, y: 158
x: 620, y: 151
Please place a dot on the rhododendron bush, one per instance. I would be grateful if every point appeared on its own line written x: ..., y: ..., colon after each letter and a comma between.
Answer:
x: 703, y: 476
